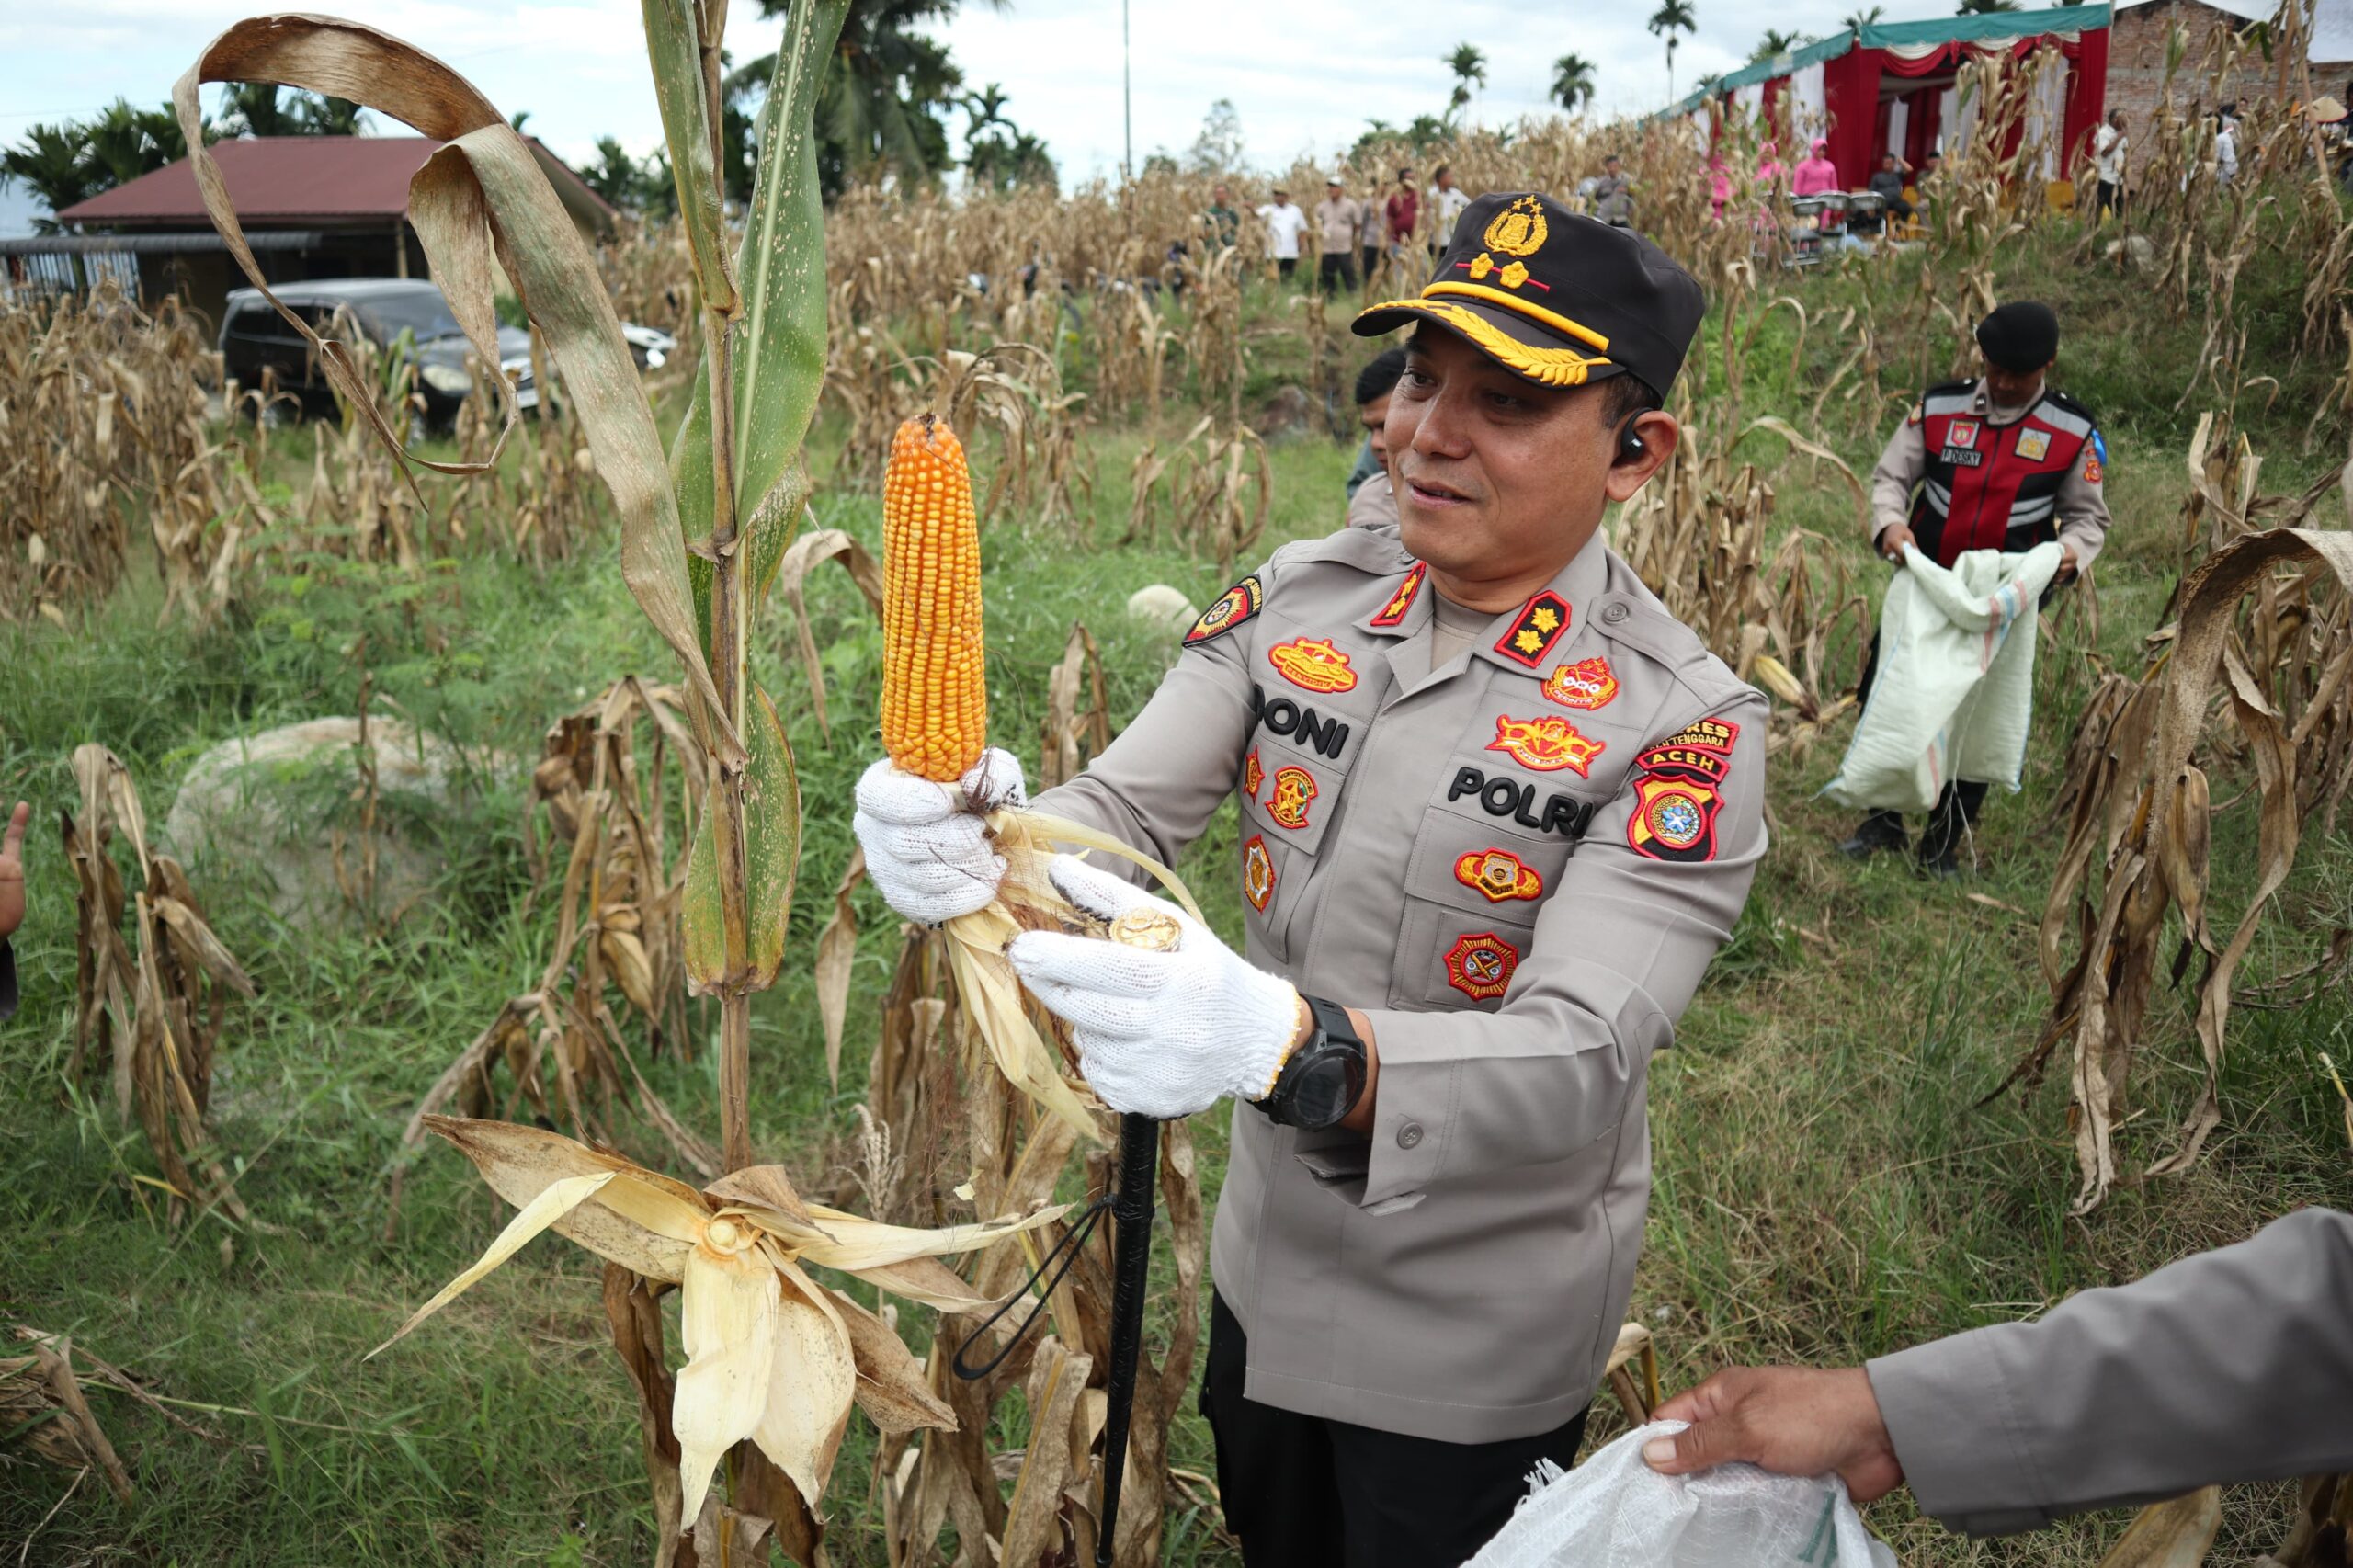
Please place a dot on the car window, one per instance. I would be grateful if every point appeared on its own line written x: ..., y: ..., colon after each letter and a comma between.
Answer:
x: 424, y: 312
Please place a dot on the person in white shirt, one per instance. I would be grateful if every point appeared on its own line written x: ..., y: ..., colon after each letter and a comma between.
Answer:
x: 1446, y: 203
x: 2226, y: 143
x: 1286, y: 222
x: 2109, y: 150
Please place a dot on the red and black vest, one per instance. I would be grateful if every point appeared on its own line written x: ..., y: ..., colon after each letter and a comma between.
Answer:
x: 1992, y: 487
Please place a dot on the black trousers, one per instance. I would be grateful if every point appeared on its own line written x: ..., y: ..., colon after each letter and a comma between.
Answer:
x: 1341, y: 265
x: 1301, y: 1492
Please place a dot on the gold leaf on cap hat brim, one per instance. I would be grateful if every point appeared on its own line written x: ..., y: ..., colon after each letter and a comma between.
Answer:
x: 1546, y: 366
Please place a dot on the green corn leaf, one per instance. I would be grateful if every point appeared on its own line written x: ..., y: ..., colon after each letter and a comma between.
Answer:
x: 771, y: 854
x: 676, y: 48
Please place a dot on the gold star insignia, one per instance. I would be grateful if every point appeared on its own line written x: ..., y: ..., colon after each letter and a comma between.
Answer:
x: 1543, y: 620
x: 1527, y: 641
x: 1514, y: 275
x: 1483, y: 265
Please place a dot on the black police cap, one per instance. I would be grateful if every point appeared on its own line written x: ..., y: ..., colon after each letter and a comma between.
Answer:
x: 1557, y: 297
x: 2022, y: 336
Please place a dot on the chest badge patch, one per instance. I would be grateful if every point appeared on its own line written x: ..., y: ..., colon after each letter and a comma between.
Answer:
x: 1311, y: 663
x: 1541, y: 622
x: 1234, y: 606
x: 1588, y: 684
x: 1252, y: 774
x: 1257, y: 873
x: 1547, y: 744
x: 1480, y: 964
x: 1294, y: 788
x: 1499, y: 875
x: 1394, y: 612
x: 2034, y: 445
x: 1962, y: 433
x: 1679, y: 791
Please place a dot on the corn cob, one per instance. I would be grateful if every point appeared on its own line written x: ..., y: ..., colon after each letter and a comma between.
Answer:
x: 934, y: 697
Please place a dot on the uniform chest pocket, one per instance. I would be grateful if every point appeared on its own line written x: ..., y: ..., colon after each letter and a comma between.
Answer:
x: 1473, y: 885
x: 1291, y: 786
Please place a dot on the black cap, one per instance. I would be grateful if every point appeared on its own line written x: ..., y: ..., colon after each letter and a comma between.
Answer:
x: 2022, y: 336
x: 1559, y: 298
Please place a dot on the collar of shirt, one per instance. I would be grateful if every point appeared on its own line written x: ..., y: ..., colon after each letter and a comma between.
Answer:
x: 1578, y: 583
x: 1981, y: 403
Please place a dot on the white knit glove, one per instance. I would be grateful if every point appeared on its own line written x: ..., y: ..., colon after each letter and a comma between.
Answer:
x: 926, y: 848
x: 1164, y: 1033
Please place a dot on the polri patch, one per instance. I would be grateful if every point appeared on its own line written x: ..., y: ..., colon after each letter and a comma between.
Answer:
x: 1541, y: 623
x: 1480, y: 964
x: 1311, y: 663
x: 1294, y: 789
x: 1588, y: 684
x: 1547, y: 743
x: 1234, y: 606
x: 2034, y: 445
x: 1394, y: 612
x: 1257, y: 873
x: 1498, y: 875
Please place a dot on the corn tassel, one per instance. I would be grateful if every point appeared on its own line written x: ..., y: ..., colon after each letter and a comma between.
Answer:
x: 935, y: 694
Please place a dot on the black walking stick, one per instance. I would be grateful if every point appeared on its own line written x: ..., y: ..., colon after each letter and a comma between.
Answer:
x: 1131, y: 1206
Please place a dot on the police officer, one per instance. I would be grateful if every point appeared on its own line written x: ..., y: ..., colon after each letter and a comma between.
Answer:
x: 2002, y: 462
x: 2234, y: 1365
x: 1498, y: 810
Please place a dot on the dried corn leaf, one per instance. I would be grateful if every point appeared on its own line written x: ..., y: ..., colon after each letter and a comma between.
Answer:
x: 2174, y: 1534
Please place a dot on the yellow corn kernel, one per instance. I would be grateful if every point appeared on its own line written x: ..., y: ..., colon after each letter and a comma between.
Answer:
x: 934, y: 699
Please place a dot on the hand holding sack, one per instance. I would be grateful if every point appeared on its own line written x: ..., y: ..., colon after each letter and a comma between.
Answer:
x: 928, y: 848
x: 1164, y: 1033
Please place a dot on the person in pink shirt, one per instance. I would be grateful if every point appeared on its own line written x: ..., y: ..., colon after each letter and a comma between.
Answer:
x: 1770, y: 168
x: 1719, y: 184
x: 1816, y: 174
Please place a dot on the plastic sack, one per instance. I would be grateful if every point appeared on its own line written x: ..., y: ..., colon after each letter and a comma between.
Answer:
x: 1614, y: 1511
x: 1953, y: 697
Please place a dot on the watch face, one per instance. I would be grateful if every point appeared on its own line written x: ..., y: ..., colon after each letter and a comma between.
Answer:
x: 1321, y: 1098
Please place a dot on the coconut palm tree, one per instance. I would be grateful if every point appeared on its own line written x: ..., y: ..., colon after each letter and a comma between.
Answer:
x: 1986, y: 7
x: 881, y: 108
x: 1867, y: 18
x: 1775, y: 41
x: 1469, y: 68
x: 53, y: 162
x: 1572, y: 82
x: 1671, y: 17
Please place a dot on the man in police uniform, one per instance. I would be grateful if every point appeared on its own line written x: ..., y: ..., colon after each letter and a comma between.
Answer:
x: 1498, y: 810
x: 2001, y: 463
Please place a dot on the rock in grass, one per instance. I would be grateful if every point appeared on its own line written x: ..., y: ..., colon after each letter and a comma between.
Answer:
x: 1159, y: 605
x: 289, y: 807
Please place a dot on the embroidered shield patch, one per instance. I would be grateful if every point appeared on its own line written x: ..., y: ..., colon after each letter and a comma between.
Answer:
x: 1311, y: 663
x: 1587, y: 684
x: 2034, y: 445
x: 1394, y: 612
x: 1234, y: 606
x: 2092, y: 471
x: 1541, y: 622
x: 1253, y: 776
x: 1257, y: 873
x: 1546, y: 743
x: 1499, y: 875
x: 1480, y: 964
x: 1294, y: 788
x: 1962, y: 433
x: 1678, y: 794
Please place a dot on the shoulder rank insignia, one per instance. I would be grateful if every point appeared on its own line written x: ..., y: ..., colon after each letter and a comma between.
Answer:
x: 1236, y: 604
x: 1252, y: 774
x: 1679, y: 791
x: 1294, y: 788
x: 1588, y: 684
x: 1394, y: 612
x: 2034, y: 445
x: 1480, y: 964
x: 1546, y: 743
x: 1311, y: 663
x: 1541, y: 622
x: 1257, y: 873
x: 2092, y: 471
x: 1499, y: 875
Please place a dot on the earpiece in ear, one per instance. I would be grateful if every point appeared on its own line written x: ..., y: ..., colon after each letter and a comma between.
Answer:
x: 1630, y: 445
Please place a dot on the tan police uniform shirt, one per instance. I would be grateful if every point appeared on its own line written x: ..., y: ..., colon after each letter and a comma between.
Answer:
x: 1519, y: 864
x: 2080, y: 515
x: 2235, y: 1365
x: 1336, y: 221
x: 1374, y: 505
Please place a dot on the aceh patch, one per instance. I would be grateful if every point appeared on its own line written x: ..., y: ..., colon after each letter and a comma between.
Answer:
x: 1678, y: 791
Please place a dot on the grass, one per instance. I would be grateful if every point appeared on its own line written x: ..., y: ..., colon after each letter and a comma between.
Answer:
x: 1824, y: 1187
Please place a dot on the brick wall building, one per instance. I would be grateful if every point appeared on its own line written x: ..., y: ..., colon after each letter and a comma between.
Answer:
x: 2139, y: 33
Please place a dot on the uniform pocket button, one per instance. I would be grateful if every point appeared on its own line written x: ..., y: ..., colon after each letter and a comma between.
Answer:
x: 1410, y: 1135
x: 1614, y: 613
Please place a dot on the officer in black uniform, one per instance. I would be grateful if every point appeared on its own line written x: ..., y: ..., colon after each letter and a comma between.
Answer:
x: 2004, y: 462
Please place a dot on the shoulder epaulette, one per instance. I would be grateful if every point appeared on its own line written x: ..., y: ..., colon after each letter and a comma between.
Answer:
x: 1968, y: 384
x: 2071, y: 405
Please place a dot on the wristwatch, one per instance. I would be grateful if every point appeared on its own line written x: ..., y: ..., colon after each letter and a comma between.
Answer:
x: 1323, y: 1078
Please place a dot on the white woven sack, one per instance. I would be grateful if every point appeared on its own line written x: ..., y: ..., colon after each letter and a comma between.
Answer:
x: 1614, y: 1511
x: 1954, y: 695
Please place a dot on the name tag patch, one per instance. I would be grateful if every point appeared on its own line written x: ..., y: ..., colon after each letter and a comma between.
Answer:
x: 1962, y: 458
x: 1504, y: 796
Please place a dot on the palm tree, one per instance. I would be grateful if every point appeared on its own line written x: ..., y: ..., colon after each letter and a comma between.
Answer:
x: 1671, y: 17
x: 1986, y: 7
x: 1775, y: 41
x: 1867, y: 18
x: 254, y: 108
x: 53, y: 162
x: 1572, y: 81
x: 880, y: 109
x: 1469, y: 68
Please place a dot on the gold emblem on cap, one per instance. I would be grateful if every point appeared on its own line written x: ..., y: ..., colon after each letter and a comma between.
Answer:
x: 1518, y: 229
x: 1147, y: 928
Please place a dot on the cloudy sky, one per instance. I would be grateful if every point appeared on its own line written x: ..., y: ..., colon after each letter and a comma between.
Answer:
x: 1304, y: 75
